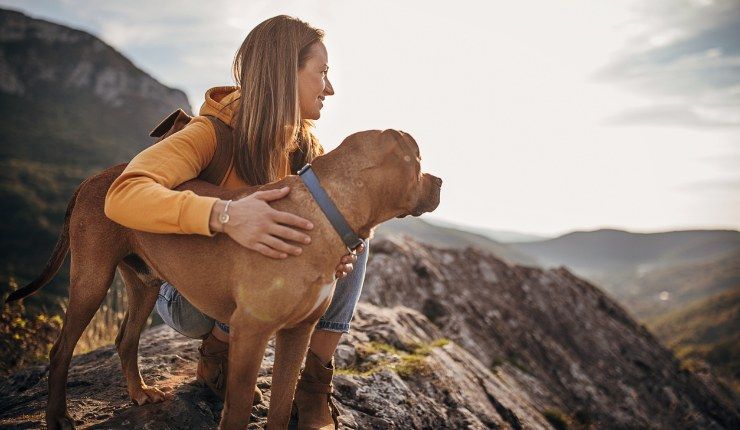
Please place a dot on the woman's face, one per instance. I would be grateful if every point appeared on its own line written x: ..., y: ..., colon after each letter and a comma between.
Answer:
x: 313, y: 83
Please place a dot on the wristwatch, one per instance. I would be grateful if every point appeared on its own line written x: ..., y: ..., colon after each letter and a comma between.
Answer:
x: 223, y: 217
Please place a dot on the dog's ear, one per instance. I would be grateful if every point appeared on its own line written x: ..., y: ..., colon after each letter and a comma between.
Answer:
x: 411, y: 142
x: 396, y: 139
x: 391, y: 136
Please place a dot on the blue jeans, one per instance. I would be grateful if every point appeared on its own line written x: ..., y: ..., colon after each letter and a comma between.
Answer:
x: 182, y: 316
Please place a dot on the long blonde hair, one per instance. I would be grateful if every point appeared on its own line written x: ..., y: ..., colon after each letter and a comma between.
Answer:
x: 270, y: 137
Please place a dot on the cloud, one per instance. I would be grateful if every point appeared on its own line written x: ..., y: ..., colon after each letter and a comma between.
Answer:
x: 672, y: 115
x: 685, y: 61
x: 721, y: 185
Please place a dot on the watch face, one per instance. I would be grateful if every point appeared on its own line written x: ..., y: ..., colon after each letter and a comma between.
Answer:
x: 224, y: 218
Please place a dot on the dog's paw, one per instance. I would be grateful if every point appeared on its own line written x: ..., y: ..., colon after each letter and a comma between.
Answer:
x: 147, y: 394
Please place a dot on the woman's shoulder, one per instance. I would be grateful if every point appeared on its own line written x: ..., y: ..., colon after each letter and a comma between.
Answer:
x: 201, y: 125
x: 194, y: 146
x: 212, y: 124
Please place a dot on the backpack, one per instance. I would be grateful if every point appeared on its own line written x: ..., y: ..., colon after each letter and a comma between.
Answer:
x: 216, y: 170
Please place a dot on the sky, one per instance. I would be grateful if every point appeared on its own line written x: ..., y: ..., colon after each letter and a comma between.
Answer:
x: 541, y: 117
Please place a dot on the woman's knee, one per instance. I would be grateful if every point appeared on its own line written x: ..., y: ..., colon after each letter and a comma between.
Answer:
x: 346, y: 295
x: 179, y: 314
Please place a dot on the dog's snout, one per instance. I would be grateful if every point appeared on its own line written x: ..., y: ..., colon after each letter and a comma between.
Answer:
x: 437, y: 180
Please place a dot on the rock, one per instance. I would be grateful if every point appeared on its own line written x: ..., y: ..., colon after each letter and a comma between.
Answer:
x: 571, y: 348
x: 407, y: 376
x: 345, y: 356
x: 488, y: 355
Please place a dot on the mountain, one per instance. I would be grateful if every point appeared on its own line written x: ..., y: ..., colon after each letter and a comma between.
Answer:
x: 70, y: 106
x: 443, y: 338
x: 615, y: 251
x: 487, y: 344
x: 624, y: 263
x: 501, y: 236
x: 433, y: 234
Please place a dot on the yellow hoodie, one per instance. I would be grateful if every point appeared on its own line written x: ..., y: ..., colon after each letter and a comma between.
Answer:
x: 142, y: 197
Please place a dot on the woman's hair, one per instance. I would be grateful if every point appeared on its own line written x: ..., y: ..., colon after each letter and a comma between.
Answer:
x: 270, y: 138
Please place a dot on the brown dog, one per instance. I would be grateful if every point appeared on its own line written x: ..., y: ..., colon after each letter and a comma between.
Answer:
x: 372, y: 177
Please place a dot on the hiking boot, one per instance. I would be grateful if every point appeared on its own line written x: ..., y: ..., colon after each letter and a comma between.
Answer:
x: 213, y: 367
x: 313, y: 407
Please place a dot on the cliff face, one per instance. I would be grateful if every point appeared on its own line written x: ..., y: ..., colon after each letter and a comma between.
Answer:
x: 35, y: 54
x: 66, y: 97
x: 70, y: 106
x: 488, y: 345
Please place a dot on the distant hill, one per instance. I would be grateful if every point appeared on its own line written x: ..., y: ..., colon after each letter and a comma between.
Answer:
x: 501, y: 236
x: 70, y: 105
x: 651, y: 273
x: 616, y: 259
x: 676, y: 286
x: 450, y: 237
x: 596, y: 251
x: 708, y: 330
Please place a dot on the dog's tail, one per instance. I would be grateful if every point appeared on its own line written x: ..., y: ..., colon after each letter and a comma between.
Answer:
x: 56, y: 259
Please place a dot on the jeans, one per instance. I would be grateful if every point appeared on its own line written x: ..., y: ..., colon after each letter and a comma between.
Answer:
x: 182, y: 316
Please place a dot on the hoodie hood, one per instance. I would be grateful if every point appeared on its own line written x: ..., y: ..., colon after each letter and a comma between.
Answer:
x: 222, y: 103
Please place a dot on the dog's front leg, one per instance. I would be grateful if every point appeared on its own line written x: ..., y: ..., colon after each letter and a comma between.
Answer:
x: 247, y: 343
x: 290, y: 349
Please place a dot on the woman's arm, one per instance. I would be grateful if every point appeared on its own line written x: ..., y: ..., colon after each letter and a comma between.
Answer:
x: 142, y: 197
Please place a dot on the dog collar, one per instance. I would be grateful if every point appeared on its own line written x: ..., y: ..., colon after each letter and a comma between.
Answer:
x: 309, y: 178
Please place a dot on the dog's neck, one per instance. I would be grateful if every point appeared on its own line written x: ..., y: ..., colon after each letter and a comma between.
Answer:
x: 353, y: 192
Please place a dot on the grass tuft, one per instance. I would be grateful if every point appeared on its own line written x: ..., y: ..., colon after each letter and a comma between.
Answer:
x: 407, y: 362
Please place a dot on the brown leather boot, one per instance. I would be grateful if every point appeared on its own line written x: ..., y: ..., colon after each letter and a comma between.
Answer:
x: 213, y: 366
x: 313, y: 406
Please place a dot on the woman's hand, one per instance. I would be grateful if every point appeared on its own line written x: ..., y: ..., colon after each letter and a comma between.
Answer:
x: 257, y: 226
x: 346, y: 264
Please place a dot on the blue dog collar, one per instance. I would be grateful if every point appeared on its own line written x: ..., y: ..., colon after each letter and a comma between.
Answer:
x: 350, y: 239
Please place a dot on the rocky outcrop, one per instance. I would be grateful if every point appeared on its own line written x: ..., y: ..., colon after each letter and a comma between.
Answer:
x: 398, y: 372
x: 488, y: 345
x: 573, y: 348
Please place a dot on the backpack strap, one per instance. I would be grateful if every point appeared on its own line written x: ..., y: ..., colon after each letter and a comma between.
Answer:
x: 170, y: 125
x: 216, y: 170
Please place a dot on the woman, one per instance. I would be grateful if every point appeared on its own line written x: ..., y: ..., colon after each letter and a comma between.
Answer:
x: 281, y: 75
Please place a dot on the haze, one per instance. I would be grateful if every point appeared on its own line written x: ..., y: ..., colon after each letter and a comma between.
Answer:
x: 540, y: 116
